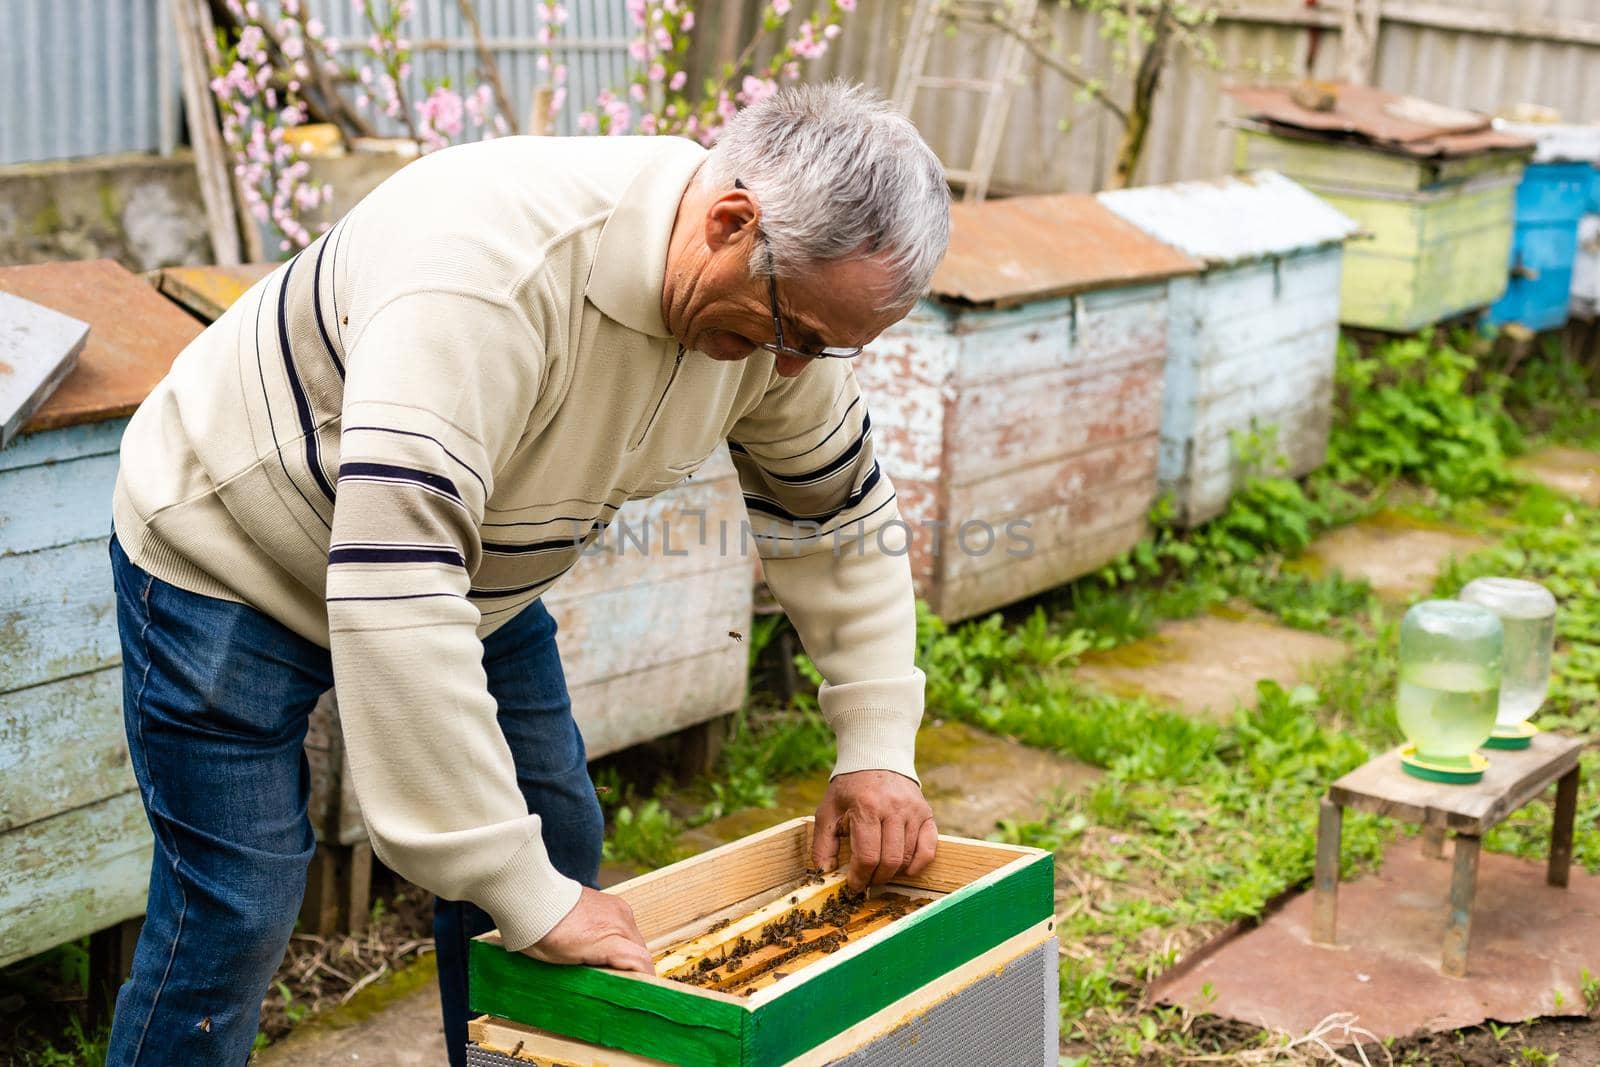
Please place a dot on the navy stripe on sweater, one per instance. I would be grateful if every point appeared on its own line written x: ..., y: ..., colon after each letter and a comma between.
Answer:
x: 426, y: 437
x: 394, y: 554
x: 302, y: 406
x: 389, y: 472
x: 266, y: 400
x: 845, y: 458
x: 772, y: 508
x: 316, y: 305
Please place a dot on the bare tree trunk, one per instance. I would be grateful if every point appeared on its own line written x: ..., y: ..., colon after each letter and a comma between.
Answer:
x: 1146, y: 80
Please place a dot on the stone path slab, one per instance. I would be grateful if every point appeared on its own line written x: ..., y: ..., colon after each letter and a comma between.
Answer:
x: 1530, y: 945
x: 1398, y: 557
x: 1571, y: 471
x: 1209, y: 664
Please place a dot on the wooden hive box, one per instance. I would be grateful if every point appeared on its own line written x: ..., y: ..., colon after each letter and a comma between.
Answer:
x: 1557, y: 190
x: 74, y: 844
x: 969, y: 977
x: 1253, y: 339
x: 1025, y: 390
x: 1432, y: 186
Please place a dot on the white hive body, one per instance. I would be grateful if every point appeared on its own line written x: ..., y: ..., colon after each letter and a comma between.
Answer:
x: 1253, y: 339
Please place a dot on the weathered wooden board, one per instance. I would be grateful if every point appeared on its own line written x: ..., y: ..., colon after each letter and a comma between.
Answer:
x: 62, y: 746
x: 631, y: 708
x: 56, y: 446
x: 1514, y: 777
x: 54, y: 504
x: 76, y: 872
x: 38, y: 349
x: 1440, y: 233
x: 1033, y: 414
x: 58, y: 614
x: 134, y: 336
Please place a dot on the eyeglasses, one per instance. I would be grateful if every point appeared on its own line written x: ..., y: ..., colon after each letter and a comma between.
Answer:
x: 777, y: 347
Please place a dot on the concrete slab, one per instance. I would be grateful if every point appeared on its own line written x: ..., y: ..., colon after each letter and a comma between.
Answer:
x: 1530, y: 945
x: 1209, y: 664
x: 377, y: 1029
x: 1571, y: 471
x: 1398, y: 557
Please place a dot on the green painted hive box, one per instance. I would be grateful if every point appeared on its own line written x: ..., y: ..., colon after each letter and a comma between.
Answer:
x: 1439, y: 229
x: 971, y: 971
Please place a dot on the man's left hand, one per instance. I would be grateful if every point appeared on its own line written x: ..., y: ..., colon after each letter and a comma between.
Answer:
x: 888, y: 822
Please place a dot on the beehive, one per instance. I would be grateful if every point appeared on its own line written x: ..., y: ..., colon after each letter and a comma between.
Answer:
x: 74, y: 844
x: 1253, y: 338
x: 969, y: 977
x: 1556, y: 191
x: 1018, y: 407
x: 1432, y: 186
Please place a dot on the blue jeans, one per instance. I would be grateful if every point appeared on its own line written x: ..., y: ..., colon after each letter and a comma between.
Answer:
x: 216, y: 696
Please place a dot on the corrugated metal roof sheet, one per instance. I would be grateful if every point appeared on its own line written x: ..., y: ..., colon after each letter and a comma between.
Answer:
x: 1233, y: 220
x: 1005, y: 252
x: 1378, y: 119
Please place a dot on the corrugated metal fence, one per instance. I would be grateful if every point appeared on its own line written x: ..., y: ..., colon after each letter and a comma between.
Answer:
x: 85, y: 77
x: 1522, y: 51
x: 89, y: 77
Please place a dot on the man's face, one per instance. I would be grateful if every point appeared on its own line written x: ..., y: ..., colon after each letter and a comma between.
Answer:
x: 725, y: 312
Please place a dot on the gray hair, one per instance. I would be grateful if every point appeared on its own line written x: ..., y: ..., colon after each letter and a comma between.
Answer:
x: 838, y: 173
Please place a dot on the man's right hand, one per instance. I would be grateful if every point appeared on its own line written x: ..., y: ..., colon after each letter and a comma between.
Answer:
x: 599, y: 931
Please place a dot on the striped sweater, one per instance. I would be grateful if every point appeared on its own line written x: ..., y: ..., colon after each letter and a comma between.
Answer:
x: 407, y: 433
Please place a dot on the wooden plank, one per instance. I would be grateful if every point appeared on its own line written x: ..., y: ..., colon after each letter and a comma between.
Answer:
x: 67, y: 876
x: 627, y: 709
x: 58, y: 615
x: 867, y: 975
x: 1463, y: 894
x: 1561, y: 828
x: 62, y: 746
x: 544, y: 1049
x: 666, y: 899
x: 772, y: 964
x: 38, y: 349
x: 1508, y: 23
x: 216, y: 189
x: 622, y: 631
x: 58, y: 446
x: 977, y: 592
x: 206, y: 292
x: 134, y: 335
x: 1325, y: 883
x: 54, y: 504
x: 1512, y: 780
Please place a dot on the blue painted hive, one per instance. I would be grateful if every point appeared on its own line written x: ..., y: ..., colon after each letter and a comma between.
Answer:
x: 74, y: 844
x: 1252, y: 340
x: 1557, y: 190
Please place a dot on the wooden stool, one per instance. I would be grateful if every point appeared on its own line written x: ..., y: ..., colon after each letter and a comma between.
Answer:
x: 1513, y: 779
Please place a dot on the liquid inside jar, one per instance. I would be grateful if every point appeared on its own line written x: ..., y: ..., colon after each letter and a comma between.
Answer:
x: 1527, y: 667
x: 1447, y: 709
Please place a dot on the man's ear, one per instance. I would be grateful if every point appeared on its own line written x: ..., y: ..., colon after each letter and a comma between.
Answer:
x: 731, y: 218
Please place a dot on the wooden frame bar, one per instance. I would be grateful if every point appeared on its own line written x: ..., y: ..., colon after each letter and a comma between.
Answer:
x: 1561, y: 829
x: 1325, y: 901
x: 1463, y: 891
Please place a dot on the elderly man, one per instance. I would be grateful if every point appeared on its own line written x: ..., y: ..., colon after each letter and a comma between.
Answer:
x: 366, y: 473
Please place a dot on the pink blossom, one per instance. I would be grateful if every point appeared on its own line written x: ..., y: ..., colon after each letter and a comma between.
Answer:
x: 636, y: 11
x: 636, y: 91
x: 663, y: 39
x: 559, y: 74
x: 647, y: 125
x: 558, y: 14
x: 754, y: 90
x: 294, y: 47
x: 846, y: 5
x: 780, y: 7
x: 541, y: 63
x: 831, y: 30
x: 687, y: 22
x: 679, y: 80
x: 587, y: 122
x: 657, y: 72
x: 558, y: 97
x: 314, y: 27
x: 638, y: 49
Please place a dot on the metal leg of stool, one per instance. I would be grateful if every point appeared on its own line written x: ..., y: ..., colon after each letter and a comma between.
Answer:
x: 1463, y: 889
x: 1561, y: 829
x: 1325, y: 886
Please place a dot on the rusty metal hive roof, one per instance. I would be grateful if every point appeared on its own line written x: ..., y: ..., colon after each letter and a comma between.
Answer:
x: 134, y: 335
x: 1234, y: 220
x: 1005, y: 252
x: 1379, y: 119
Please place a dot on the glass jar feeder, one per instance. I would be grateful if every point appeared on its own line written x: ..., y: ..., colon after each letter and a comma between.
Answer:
x: 1450, y: 662
x: 1527, y: 610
